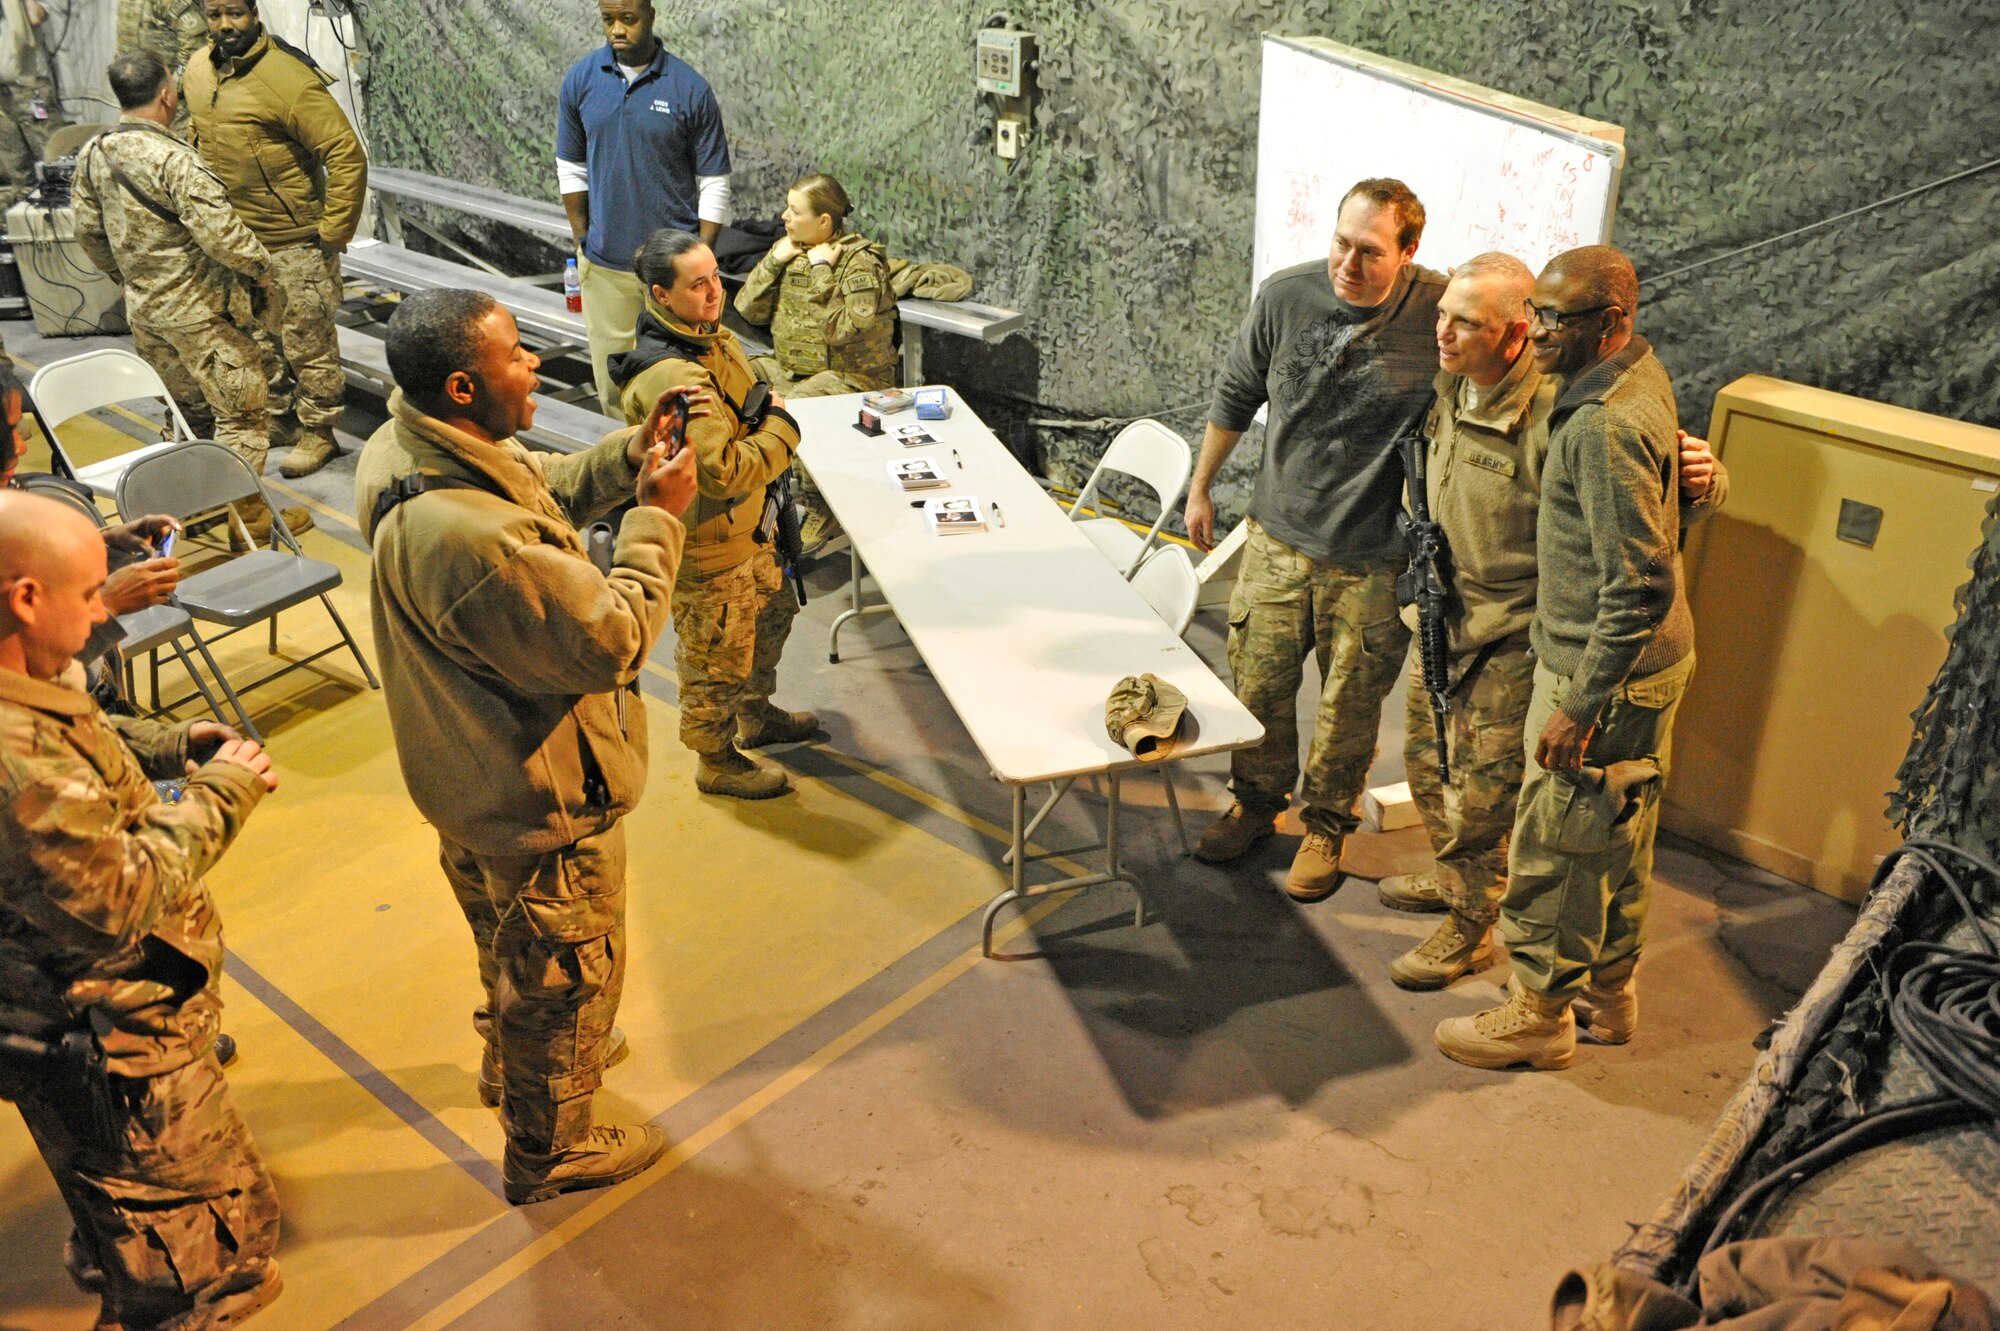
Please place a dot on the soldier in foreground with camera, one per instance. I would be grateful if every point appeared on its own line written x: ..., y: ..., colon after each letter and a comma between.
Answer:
x: 110, y: 952
x: 511, y: 664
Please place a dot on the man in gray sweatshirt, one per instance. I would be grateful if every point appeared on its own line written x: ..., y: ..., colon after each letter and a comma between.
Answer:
x: 1615, y: 650
x: 1343, y: 353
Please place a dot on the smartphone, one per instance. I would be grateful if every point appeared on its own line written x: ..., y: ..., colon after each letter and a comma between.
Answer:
x: 677, y: 425
x: 167, y: 543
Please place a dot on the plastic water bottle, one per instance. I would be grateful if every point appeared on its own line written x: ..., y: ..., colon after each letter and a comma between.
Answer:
x: 572, y: 287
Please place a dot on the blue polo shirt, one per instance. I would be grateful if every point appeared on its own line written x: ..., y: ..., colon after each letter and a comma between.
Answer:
x: 643, y: 144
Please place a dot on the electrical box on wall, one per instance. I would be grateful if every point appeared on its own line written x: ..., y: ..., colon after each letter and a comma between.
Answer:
x: 1002, y: 60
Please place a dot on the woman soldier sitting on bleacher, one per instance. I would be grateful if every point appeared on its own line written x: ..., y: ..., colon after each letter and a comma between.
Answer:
x: 825, y: 293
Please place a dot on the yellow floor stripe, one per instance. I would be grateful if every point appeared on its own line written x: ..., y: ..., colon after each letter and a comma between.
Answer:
x: 548, y: 1244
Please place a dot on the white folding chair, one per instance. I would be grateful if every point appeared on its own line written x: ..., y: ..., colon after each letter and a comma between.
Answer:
x: 200, y: 477
x: 1147, y: 451
x: 1167, y: 580
x: 66, y: 389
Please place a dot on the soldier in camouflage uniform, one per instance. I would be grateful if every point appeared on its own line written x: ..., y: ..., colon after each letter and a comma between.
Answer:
x: 732, y: 610
x: 827, y: 296
x: 27, y: 99
x: 1485, y: 439
x: 175, y: 29
x: 110, y: 946
x: 152, y: 216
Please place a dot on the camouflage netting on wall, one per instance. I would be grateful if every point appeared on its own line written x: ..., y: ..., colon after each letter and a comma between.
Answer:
x: 1949, y: 785
x: 1125, y: 230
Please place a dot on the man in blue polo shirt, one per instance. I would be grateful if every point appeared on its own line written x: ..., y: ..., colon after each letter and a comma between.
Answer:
x: 639, y: 132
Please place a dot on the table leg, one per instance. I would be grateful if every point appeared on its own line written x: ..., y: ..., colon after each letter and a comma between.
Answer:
x: 1056, y: 793
x: 1018, y: 890
x: 855, y: 609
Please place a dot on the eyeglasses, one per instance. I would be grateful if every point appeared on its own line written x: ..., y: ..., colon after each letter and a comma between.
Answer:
x: 1556, y: 320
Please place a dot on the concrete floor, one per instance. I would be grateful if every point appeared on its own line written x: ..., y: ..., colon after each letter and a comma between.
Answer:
x: 1227, y: 1117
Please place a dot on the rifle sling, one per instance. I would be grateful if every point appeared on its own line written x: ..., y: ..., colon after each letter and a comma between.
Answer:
x: 147, y: 201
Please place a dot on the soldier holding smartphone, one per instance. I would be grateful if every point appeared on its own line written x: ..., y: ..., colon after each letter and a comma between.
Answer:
x: 508, y: 659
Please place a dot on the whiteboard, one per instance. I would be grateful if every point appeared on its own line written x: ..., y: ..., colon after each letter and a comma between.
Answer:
x: 1494, y: 172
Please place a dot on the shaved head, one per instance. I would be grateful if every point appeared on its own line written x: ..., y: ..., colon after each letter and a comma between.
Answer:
x: 1602, y: 274
x: 1502, y: 276
x: 52, y: 569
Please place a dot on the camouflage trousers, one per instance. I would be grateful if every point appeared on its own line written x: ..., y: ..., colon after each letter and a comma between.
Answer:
x: 550, y: 930
x: 180, y: 1215
x: 827, y: 383
x: 1580, y: 870
x: 25, y: 135
x: 731, y: 625
x: 306, y: 380
x: 219, y: 378
x: 1470, y: 817
x: 1287, y: 607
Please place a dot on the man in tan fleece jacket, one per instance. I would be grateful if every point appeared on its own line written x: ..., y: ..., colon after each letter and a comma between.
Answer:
x: 511, y: 664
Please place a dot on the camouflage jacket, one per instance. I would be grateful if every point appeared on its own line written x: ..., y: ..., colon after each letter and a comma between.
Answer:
x: 102, y: 910
x: 839, y: 316
x: 180, y: 270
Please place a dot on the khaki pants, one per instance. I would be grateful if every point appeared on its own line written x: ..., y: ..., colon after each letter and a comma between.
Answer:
x: 611, y: 304
x: 1470, y: 818
x: 180, y: 1214
x: 731, y: 625
x: 1287, y: 607
x: 550, y: 930
x: 307, y: 381
x: 219, y: 377
x: 1580, y: 870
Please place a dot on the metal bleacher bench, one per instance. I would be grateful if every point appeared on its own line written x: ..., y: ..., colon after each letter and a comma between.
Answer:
x: 962, y: 318
x: 563, y: 427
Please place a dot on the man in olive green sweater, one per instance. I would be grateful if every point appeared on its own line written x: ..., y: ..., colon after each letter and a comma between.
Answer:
x: 1615, y: 648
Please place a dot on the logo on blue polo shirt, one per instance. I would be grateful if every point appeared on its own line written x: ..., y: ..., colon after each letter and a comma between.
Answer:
x: 663, y: 106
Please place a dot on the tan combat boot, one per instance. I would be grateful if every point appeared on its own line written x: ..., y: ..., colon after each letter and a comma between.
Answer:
x: 1231, y: 836
x: 1456, y: 947
x: 730, y: 773
x: 314, y: 450
x: 1417, y: 892
x: 764, y: 724
x: 257, y: 518
x: 1315, y: 869
x: 1608, y: 1008
x: 1529, y: 1028
x: 608, y: 1155
x: 493, y: 1071
x: 817, y: 528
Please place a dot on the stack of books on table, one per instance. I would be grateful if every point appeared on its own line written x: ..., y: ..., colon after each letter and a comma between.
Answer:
x: 918, y: 474
x: 960, y: 513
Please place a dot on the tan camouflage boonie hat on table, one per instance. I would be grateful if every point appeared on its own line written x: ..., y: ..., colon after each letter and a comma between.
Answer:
x: 1144, y: 714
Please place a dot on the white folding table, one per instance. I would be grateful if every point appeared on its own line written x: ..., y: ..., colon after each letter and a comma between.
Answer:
x: 1025, y: 626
